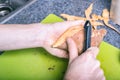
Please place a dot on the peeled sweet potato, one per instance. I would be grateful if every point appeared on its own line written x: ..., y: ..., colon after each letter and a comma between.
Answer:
x: 79, y: 38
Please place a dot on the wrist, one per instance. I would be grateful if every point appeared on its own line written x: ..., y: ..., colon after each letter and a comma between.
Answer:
x: 40, y: 33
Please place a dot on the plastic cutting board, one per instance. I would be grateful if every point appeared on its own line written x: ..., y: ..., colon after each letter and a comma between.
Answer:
x: 38, y: 64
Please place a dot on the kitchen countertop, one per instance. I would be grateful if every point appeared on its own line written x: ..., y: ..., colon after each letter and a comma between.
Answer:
x: 41, y: 8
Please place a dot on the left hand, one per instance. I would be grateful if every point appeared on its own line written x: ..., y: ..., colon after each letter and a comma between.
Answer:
x: 53, y: 31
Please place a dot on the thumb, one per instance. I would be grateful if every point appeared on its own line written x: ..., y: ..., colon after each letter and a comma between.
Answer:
x: 92, y: 50
x: 72, y: 48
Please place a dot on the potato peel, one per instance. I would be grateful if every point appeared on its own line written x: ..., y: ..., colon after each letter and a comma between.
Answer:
x: 95, y: 24
x: 105, y: 15
x: 94, y: 19
x: 68, y: 33
x: 88, y: 11
x: 110, y: 26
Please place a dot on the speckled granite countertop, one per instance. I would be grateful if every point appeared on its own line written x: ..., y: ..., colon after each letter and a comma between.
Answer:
x: 41, y: 8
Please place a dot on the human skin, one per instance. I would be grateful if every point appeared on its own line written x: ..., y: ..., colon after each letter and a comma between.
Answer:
x: 21, y: 36
x: 85, y: 66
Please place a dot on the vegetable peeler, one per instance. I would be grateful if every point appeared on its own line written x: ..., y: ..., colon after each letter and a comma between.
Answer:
x: 87, y: 30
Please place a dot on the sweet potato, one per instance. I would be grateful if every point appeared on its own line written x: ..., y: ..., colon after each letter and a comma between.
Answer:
x: 96, y: 38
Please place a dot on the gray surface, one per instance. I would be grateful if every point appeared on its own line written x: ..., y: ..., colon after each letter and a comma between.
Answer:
x: 40, y: 9
x: 17, y: 6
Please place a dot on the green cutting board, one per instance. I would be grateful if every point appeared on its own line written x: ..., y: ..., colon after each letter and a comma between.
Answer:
x: 38, y: 64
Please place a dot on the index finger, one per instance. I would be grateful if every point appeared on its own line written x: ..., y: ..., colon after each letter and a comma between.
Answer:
x: 72, y: 48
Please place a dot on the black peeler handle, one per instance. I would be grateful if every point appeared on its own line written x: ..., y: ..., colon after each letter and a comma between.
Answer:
x: 87, y: 30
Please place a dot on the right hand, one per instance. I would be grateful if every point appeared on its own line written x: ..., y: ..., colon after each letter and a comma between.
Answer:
x: 85, y: 66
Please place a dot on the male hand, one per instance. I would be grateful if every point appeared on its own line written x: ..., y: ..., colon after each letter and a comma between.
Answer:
x: 85, y: 66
